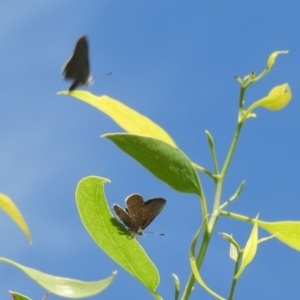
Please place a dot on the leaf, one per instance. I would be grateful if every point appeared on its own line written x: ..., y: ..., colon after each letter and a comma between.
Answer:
x: 17, y: 296
x: 165, y: 162
x: 287, y: 232
x: 110, y: 235
x: 250, y: 249
x: 124, y: 116
x: 233, y: 254
x: 234, y: 246
x: 61, y: 286
x: 11, y: 209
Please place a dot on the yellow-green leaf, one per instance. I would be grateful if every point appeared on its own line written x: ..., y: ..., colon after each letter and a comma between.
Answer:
x: 129, y: 119
x: 11, y: 209
x: 250, y: 249
x: 287, y: 232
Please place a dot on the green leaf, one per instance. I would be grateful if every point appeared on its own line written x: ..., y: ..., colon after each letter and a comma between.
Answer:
x: 110, y: 235
x: 61, y: 286
x: 250, y: 249
x: 129, y: 119
x: 165, y: 162
x: 17, y: 296
x: 287, y: 232
x: 11, y: 209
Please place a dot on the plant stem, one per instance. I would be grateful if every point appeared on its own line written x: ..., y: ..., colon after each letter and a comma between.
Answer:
x: 236, y: 268
x: 217, y: 199
x: 200, y: 256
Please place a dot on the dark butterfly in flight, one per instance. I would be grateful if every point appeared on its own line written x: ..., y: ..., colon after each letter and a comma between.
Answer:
x: 139, y: 214
x: 77, y: 67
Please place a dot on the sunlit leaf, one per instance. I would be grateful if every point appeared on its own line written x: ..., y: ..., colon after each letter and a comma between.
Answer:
x: 250, y: 249
x: 110, y: 235
x: 11, y: 209
x: 287, y: 232
x: 17, y: 296
x: 64, y: 287
x: 129, y: 119
x: 165, y: 162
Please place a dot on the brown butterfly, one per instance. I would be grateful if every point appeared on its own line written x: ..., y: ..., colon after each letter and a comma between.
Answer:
x: 77, y: 67
x: 139, y: 214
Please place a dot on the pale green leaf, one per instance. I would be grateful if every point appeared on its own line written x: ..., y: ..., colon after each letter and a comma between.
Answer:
x: 64, y: 287
x: 233, y: 254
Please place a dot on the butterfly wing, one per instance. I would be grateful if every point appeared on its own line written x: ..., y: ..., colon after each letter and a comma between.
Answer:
x: 77, y: 67
x: 124, y: 216
x: 151, y: 209
x: 135, y: 204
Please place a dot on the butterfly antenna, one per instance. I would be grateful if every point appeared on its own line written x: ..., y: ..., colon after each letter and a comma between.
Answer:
x: 103, y: 75
x: 154, y: 233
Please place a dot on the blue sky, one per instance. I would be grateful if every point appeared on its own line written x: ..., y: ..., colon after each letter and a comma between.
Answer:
x: 173, y: 61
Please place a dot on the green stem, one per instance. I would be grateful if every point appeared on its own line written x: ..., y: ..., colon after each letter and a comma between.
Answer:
x: 206, y: 240
x: 236, y: 216
x: 199, y: 260
x: 203, y: 170
x: 234, y: 281
x: 217, y: 199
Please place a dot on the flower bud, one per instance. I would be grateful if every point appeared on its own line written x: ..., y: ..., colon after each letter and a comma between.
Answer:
x: 272, y: 58
x: 277, y: 99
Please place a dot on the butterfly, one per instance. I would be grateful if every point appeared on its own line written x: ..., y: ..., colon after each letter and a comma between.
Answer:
x: 139, y: 214
x: 77, y: 68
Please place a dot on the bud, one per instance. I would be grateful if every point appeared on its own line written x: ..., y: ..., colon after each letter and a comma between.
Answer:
x: 277, y: 99
x: 272, y: 58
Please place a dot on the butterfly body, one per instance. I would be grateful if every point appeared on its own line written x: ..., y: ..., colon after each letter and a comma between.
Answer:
x: 77, y: 67
x: 139, y: 214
